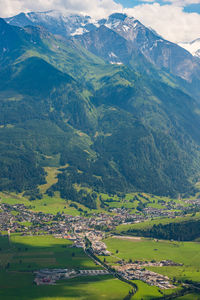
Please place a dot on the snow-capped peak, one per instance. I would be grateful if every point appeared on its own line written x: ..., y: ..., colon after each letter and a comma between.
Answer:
x: 193, y: 47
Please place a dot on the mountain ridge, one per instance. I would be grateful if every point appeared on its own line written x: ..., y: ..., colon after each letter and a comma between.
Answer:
x: 163, y: 54
x: 115, y: 128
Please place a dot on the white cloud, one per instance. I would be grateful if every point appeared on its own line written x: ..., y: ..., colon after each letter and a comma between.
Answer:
x: 169, y: 21
x: 97, y: 8
x: 183, y: 2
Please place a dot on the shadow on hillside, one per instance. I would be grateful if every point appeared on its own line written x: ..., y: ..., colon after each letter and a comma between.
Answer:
x: 16, y: 277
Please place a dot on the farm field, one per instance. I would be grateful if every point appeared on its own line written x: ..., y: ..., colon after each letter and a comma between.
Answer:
x: 25, y: 254
x: 149, y: 249
x: 34, y: 252
x: 141, y: 249
x: 85, y: 288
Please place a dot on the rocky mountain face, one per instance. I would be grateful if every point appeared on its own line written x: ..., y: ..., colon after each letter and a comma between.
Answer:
x: 130, y: 37
x: 55, y: 22
x: 97, y: 105
x: 137, y: 38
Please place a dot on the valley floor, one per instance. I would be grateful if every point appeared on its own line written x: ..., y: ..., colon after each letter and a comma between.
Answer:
x: 33, y: 239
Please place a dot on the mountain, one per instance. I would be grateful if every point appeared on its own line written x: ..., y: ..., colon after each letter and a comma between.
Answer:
x: 54, y: 21
x: 11, y: 43
x: 103, y: 124
x: 130, y: 36
x: 135, y: 37
x: 193, y: 47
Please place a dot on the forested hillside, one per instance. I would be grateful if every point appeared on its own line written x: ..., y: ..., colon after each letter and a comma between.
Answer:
x: 113, y: 128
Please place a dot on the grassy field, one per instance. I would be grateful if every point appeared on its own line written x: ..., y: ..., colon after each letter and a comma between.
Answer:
x: 131, y: 200
x: 145, y: 291
x: 186, y: 253
x: 20, y: 256
x: 190, y: 297
x: 24, y: 254
x: 148, y: 249
x: 84, y: 288
x: 27, y: 253
x: 51, y: 177
x: 46, y: 205
x: 57, y: 204
x: 150, y: 223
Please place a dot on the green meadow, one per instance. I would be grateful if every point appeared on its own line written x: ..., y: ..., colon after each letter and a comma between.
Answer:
x: 47, y: 204
x: 146, y: 292
x: 15, y: 287
x: 186, y: 253
x: 57, y: 204
x: 149, y: 249
x: 29, y: 253
x: 22, y: 255
x: 189, y: 297
x: 148, y: 224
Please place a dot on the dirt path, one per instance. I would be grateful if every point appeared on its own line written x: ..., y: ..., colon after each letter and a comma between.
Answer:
x: 134, y: 238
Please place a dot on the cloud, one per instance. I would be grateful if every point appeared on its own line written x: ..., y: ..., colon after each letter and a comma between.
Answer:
x: 182, y: 2
x: 97, y: 8
x: 169, y: 21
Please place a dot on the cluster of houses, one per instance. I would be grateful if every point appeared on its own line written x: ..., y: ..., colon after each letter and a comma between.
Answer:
x: 80, y: 230
x: 21, y: 218
x: 51, y: 276
x: 137, y: 271
x: 158, y: 212
x: 100, y: 248
x: 194, y: 202
x: 94, y: 236
x: 141, y: 264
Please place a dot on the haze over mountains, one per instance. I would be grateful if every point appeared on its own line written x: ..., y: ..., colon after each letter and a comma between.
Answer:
x: 109, y: 99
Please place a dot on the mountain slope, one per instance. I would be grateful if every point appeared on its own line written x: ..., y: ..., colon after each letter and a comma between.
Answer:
x: 53, y: 21
x: 163, y: 54
x: 111, y: 127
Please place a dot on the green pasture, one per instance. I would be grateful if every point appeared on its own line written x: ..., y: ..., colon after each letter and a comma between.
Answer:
x: 22, y: 255
x: 28, y: 253
x: 47, y: 204
x: 57, y: 204
x: 20, y: 287
x: 189, y: 297
x: 150, y: 223
x: 186, y: 253
x: 145, y: 291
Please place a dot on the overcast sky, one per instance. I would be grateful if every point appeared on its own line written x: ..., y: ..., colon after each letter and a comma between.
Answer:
x: 175, y: 20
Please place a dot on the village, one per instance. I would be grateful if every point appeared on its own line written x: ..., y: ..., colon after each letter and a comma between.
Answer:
x: 81, y: 230
x: 21, y: 218
x: 133, y: 271
x: 137, y: 270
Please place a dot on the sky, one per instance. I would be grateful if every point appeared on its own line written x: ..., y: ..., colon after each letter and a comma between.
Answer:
x: 175, y: 20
